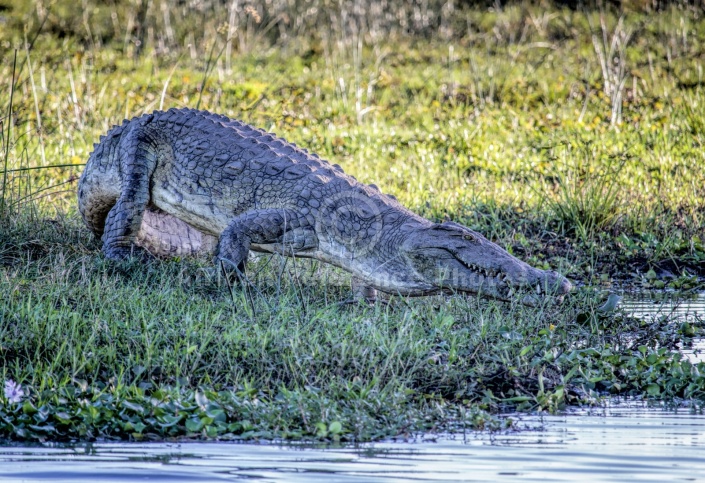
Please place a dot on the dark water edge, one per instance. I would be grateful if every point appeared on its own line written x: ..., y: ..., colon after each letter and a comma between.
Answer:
x: 622, y: 441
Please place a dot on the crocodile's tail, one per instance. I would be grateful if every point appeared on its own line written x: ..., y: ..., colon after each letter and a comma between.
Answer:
x: 98, y: 191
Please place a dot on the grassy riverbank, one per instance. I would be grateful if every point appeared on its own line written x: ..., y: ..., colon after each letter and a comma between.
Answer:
x: 506, y: 121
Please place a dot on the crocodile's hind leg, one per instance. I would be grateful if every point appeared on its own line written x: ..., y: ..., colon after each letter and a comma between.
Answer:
x: 275, y: 230
x: 138, y: 158
x: 164, y: 235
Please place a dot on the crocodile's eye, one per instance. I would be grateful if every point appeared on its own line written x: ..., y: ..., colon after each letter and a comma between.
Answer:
x: 468, y: 237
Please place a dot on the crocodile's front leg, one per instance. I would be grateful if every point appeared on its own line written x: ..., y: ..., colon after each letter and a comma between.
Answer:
x: 138, y: 158
x: 283, y: 230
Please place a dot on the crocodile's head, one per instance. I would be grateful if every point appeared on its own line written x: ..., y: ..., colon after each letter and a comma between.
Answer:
x: 449, y: 257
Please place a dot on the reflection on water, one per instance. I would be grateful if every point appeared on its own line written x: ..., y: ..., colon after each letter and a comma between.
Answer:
x: 621, y: 442
x: 632, y: 444
x: 663, y: 304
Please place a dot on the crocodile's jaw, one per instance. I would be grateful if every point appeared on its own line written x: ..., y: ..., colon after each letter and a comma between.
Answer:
x: 452, y: 258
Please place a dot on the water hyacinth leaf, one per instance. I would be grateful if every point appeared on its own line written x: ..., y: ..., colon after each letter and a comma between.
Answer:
x: 63, y: 416
x: 168, y: 421
x: 201, y: 399
x: 194, y: 425
x: 322, y: 430
x: 91, y: 412
x: 217, y: 414
x: 81, y: 384
x: 335, y: 427
x: 42, y: 414
x: 133, y: 406
x: 28, y: 408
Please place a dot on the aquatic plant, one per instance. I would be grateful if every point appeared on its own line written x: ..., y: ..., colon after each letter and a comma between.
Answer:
x: 13, y: 392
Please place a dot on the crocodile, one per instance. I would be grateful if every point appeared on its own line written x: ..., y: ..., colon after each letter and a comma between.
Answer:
x: 188, y: 182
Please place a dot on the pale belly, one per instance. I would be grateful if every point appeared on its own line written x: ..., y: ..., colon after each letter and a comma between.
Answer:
x: 199, y: 211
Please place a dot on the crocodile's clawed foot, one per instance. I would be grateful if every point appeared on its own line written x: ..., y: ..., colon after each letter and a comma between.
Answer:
x: 233, y: 274
x: 125, y: 261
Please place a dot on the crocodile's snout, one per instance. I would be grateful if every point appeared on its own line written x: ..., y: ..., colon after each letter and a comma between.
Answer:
x: 561, y: 285
x: 451, y: 257
x: 545, y: 284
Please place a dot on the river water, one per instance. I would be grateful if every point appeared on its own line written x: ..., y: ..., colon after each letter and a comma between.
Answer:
x: 623, y: 441
x: 660, y: 304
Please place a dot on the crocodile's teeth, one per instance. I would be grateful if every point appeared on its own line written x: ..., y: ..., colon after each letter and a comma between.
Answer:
x: 538, y: 288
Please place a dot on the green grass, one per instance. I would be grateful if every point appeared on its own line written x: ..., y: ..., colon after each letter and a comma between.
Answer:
x: 131, y: 350
x: 503, y: 124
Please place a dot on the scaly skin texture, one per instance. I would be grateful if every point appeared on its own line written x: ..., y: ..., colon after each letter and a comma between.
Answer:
x: 185, y: 182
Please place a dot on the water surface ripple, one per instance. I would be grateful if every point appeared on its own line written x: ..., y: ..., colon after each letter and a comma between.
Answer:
x: 617, y: 443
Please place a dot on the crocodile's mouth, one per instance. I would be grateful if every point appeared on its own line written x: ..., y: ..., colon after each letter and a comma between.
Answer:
x: 478, y: 280
x: 503, y: 283
x: 500, y: 285
x: 451, y: 258
x: 496, y: 276
x: 447, y: 271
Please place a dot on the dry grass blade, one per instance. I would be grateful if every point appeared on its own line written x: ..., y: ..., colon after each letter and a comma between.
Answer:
x: 611, y: 54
